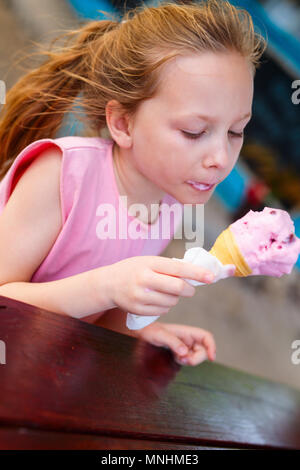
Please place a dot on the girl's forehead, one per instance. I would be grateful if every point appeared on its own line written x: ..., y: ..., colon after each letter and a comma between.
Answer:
x: 207, y: 73
x: 206, y: 64
x: 204, y: 82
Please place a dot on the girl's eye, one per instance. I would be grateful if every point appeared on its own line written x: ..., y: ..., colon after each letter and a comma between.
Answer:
x: 189, y: 135
x: 237, y: 134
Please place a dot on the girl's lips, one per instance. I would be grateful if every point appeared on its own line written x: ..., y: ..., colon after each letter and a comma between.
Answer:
x: 200, y: 186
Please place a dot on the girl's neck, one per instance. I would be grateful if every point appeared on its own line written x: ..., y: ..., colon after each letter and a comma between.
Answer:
x: 135, y: 186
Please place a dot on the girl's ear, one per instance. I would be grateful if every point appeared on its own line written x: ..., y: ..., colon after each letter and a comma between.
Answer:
x: 118, y: 124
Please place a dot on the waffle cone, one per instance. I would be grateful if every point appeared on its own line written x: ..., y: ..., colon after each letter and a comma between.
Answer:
x: 228, y: 252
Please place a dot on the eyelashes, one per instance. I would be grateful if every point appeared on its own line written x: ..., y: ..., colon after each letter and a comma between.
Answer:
x: 237, y: 134
x: 192, y: 136
x: 189, y: 135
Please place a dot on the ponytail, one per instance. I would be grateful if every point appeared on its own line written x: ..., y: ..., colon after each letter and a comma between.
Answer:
x: 37, y: 103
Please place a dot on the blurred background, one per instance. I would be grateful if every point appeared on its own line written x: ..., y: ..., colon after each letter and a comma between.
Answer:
x: 254, y: 320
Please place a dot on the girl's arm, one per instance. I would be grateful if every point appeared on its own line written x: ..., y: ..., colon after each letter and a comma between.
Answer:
x: 73, y: 296
x: 29, y: 226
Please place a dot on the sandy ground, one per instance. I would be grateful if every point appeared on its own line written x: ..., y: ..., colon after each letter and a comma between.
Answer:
x: 254, y: 320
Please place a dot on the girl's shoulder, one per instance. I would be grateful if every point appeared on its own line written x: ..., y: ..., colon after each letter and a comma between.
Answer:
x: 89, y: 146
x: 79, y: 158
x: 73, y: 142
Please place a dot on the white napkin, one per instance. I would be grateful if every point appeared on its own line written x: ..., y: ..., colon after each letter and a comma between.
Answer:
x: 200, y: 257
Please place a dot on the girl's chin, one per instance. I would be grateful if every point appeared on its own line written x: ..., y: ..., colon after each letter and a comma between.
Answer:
x: 198, y: 196
x: 201, y: 199
x: 188, y: 195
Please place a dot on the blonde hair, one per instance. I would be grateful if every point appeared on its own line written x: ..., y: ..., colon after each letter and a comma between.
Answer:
x: 111, y: 60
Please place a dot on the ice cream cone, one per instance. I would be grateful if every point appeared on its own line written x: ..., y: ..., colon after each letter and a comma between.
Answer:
x: 226, y: 250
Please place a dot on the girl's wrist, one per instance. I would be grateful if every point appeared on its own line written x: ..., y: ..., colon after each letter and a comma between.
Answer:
x: 101, y: 288
x: 134, y: 333
x: 140, y: 333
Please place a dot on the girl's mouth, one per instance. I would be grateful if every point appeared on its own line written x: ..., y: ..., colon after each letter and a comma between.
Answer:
x: 200, y: 186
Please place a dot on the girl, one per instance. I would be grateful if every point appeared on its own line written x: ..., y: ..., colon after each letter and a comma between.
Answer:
x: 173, y: 85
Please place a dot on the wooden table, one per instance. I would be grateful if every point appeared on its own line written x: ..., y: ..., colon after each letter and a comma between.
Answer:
x: 67, y: 384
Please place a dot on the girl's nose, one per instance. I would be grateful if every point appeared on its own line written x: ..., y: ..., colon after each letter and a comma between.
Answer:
x: 217, y: 157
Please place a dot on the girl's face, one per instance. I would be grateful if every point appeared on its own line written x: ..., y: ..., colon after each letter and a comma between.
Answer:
x: 190, y: 134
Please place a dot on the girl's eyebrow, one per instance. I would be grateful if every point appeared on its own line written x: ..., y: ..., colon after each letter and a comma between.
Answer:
x: 213, y: 119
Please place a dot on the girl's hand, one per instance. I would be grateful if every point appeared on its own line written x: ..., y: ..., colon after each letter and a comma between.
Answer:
x: 190, y: 345
x: 151, y: 285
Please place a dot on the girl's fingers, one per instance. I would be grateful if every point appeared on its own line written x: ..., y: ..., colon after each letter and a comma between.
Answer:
x: 184, y: 355
x: 170, y: 285
x: 151, y: 310
x: 195, y: 338
x: 202, y: 337
x: 181, y: 269
x: 210, y: 346
x: 194, y: 357
x: 160, y: 299
x: 166, y: 339
x: 190, y: 345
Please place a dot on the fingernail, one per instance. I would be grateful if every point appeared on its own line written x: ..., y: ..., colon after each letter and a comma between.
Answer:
x: 209, y: 277
x: 182, y: 350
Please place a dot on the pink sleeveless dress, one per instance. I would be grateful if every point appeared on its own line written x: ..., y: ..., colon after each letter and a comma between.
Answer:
x: 97, y: 229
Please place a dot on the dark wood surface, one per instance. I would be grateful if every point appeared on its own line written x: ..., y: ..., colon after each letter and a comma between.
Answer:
x: 25, y: 439
x: 69, y: 383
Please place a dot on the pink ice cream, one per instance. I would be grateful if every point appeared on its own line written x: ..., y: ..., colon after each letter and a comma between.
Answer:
x: 267, y: 241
